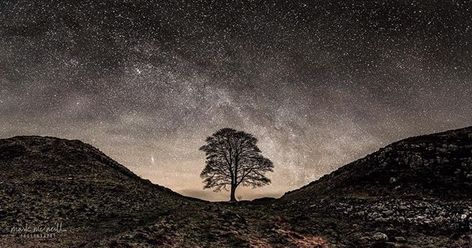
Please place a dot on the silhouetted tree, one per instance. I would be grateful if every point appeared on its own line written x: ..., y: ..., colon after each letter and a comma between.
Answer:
x: 233, y: 159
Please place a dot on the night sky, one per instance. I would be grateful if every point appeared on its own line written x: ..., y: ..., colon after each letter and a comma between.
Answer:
x: 320, y: 83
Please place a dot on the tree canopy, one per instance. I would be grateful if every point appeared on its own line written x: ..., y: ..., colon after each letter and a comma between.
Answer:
x: 233, y: 159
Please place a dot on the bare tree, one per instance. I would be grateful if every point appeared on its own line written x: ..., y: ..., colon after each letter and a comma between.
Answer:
x: 233, y: 159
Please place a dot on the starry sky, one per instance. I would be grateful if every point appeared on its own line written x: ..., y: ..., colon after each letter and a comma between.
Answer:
x: 319, y: 82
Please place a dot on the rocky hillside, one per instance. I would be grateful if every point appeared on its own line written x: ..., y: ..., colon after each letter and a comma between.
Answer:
x: 438, y: 165
x: 46, y: 181
x: 412, y: 193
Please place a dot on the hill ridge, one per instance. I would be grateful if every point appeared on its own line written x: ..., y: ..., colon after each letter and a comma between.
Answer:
x: 424, y: 144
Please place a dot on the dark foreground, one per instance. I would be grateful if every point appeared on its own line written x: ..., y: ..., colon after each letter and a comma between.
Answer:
x: 413, y: 193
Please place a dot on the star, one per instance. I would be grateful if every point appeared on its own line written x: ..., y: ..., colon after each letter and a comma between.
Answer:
x: 319, y: 83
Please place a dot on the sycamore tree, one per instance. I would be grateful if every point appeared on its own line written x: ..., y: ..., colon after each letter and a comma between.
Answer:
x: 233, y: 159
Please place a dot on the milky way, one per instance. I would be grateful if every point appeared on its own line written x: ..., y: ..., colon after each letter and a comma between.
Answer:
x: 320, y: 83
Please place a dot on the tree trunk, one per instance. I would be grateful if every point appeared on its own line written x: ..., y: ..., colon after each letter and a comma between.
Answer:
x: 233, y: 191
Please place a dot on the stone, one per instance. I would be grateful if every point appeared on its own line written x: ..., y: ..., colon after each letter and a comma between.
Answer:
x: 379, y: 236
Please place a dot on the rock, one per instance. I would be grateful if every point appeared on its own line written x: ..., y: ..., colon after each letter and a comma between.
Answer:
x: 379, y: 237
x: 399, y: 239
